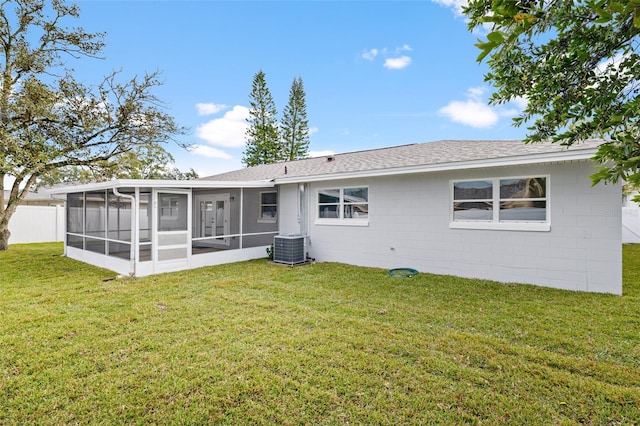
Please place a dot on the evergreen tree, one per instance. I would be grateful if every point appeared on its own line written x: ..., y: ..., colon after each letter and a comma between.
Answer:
x: 262, y: 144
x: 294, y: 127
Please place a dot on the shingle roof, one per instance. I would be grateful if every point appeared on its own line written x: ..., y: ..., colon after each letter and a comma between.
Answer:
x: 422, y: 154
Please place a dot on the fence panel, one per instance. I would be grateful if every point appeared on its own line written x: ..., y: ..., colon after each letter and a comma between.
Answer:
x: 37, y: 224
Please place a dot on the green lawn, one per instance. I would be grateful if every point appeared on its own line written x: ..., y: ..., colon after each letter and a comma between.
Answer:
x: 256, y: 343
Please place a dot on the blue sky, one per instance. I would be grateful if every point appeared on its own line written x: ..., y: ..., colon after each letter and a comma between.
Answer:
x: 375, y: 73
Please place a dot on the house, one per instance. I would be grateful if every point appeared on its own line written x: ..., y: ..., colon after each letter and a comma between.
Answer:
x: 37, y: 198
x: 498, y: 210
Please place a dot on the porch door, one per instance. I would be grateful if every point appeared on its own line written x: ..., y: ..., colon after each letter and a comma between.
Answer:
x: 212, y: 219
x: 172, y: 242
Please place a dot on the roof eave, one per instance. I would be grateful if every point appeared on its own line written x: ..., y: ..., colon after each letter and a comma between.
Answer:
x: 555, y: 157
x: 168, y: 184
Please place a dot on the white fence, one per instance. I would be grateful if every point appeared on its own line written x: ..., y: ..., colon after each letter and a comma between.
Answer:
x: 630, y: 225
x: 37, y: 224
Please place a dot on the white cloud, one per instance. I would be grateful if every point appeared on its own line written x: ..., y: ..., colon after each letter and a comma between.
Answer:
x: 313, y: 130
x: 520, y: 102
x: 227, y: 131
x: 320, y: 153
x: 210, y: 152
x: 393, y: 63
x: 470, y: 113
x: 614, y: 65
x: 475, y: 112
x: 209, y: 108
x: 370, y: 54
x: 456, y: 5
x: 397, y: 63
x: 476, y: 92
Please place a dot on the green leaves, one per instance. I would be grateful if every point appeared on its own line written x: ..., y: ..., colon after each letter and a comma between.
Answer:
x: 262, y: 145
x: 604, y: 16
x: 294, y: 126
x: 266, y: 142
x: 577, y: 63
x: 485, y: 48
x: 53, y: 123
x: 495, y: 37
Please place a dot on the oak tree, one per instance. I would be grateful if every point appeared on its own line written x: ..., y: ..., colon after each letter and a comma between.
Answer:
x: 146, y: 162
x: 48, y: 119
x: 577, y: 66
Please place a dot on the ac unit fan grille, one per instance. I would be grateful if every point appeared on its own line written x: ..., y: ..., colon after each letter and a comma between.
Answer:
x: 288, y: 249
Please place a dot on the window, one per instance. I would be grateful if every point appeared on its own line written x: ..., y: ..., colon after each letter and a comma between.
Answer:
x: 169, y: 207
x: 268, y: 207
x: 473, y: 200
x: 100, y: 222
x: 518, y: 203
x: 329, y: 204
x: 349, y: 205
x: 523, y: 199
x: 75, y: 213
x: 172, y: 212
x: 95, y: 214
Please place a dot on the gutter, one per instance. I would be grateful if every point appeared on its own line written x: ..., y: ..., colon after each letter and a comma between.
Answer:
x: 166, y: 184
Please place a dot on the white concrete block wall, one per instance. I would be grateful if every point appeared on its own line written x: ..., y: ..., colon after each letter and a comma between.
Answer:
x: 409, y: 227
x: 37, y: 224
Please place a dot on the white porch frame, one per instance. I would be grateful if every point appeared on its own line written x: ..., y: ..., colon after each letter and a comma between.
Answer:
x: 136, y: 267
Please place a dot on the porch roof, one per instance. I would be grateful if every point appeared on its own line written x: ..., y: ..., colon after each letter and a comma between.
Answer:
x: 123, y: 184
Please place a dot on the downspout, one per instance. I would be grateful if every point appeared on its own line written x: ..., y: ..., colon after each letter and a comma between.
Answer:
x: 241, y: 218
x: 303, y: 217
x: 132, y: 250
x: 303, y: 209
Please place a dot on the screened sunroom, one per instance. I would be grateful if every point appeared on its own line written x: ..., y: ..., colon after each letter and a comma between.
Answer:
x: 142, y: 227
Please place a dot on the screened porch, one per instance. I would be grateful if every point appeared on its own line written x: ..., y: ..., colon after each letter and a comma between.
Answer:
x: 142, y: 230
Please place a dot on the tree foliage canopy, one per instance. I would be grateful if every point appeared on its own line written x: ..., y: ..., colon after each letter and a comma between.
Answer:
x: 576, y: 63
x: 262, y: 139
x: 145, y: 162
x: 294, y: 127
x: 266, y: 141
x: 48, y: 119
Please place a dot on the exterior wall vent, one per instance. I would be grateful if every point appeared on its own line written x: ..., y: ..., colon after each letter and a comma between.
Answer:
x: 288, y: 249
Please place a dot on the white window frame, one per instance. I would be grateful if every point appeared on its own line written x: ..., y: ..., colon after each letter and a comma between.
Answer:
x: 495, y: 223
x: 171, y: 209
x: 261, y: 205
x: 340, y: 220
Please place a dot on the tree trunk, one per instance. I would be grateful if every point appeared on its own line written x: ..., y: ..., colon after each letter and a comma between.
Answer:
x: 4, y: 236
x: 5, y: 217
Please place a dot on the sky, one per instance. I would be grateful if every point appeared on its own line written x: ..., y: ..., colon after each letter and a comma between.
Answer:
x: 375, y: 73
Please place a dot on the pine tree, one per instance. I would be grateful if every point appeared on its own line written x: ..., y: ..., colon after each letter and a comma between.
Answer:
x: 294, y: 127
x: 262, y: 142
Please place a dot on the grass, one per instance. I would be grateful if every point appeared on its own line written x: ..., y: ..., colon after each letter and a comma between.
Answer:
x: 256, y: 343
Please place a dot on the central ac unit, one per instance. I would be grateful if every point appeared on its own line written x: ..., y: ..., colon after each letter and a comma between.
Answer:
x: 288, y: 249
